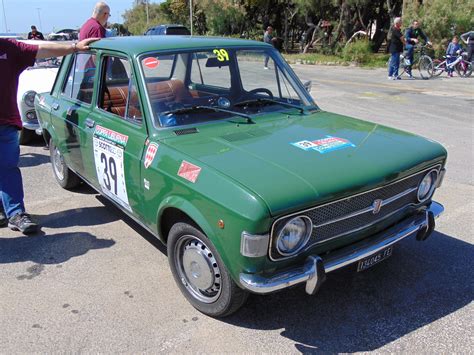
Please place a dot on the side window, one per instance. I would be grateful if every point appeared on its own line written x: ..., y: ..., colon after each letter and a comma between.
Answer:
x: 80, y: 80
x: 207, y: 70
x: 118, y: 93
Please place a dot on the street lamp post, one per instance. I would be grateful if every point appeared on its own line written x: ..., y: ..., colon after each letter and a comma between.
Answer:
x: 191, y: 15
x: 4, y: 16
x: 39, y: 18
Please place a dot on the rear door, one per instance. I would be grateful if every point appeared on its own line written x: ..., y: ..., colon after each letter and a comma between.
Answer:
x: 116, y: 135
x: 72, y: 107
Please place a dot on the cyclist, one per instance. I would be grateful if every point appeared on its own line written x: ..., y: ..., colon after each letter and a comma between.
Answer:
x: 468, y: 38
x: 411, y: 36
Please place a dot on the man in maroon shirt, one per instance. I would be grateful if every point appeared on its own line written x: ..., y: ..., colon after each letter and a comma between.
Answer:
x: 14, y: 58
x: 95, y: 26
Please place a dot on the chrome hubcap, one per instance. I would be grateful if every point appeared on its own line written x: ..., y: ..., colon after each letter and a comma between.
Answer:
x: 58, y: 163
x: 198, y: 269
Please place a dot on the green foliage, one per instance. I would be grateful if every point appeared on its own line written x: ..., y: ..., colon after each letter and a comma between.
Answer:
x: 359, y: 51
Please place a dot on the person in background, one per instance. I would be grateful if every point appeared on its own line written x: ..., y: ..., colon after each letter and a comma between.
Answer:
x: 411, y: 37
x: 268, y: 38
x: 14, y: 58
x: 468, y: 38
x: 96, y: 25
x: 395, y: 48
x: 35, y: 34
x: 451, y: 53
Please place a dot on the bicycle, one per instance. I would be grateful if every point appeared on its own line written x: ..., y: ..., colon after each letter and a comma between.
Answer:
x: 460, y: 64
x: 424, y: 63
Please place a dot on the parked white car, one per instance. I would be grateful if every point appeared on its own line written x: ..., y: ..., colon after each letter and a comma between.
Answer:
x: 36, y: 79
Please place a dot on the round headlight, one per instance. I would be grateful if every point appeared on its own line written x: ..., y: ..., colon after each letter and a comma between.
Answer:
x: 427, y: 185
x: 29, y: 98
x: 294, y: 235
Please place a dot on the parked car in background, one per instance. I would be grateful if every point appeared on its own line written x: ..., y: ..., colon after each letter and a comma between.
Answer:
x: 36, y: 79
x: 252, y: 187
x: 168, y: 30
x: 66, y: 34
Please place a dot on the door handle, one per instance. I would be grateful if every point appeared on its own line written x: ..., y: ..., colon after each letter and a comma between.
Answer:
x: 90, y: 123
x: 55, y: 106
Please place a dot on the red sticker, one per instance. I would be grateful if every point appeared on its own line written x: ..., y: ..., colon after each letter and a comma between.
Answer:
x: 189, y: 171
x: 150, y: 154
x: 151, y: 62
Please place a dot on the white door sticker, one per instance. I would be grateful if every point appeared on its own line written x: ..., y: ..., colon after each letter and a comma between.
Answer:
x: 108, y: 158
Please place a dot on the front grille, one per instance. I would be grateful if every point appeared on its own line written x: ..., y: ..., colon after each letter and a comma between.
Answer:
x: 354, y: 213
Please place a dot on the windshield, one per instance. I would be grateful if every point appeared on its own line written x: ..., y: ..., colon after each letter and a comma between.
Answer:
x: 191, y: 87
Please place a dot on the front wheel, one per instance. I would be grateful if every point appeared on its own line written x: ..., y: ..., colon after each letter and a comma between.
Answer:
x: 464, y: 69
x: 66, y: 178
x: 200, y: 273
x: 438, y: 67
x: 425, y: 66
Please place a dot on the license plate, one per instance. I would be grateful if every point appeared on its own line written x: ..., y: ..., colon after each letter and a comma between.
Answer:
x: 370, y: 261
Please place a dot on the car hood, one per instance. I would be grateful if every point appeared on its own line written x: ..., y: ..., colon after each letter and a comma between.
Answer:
x: 37, y: 79
x: 357, y: 156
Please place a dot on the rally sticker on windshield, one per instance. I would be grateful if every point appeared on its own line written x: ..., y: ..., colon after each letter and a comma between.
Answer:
x: 324, y: 145
x: 108, y: 158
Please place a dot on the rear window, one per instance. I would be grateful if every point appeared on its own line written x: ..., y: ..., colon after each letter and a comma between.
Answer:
x: 177, y: 31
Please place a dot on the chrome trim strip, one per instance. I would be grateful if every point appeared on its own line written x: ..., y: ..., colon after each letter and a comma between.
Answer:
x: 368, y: 209
x: 340, y: 258
x: 272, y: 230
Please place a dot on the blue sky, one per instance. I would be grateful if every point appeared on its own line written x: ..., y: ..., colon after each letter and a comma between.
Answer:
x: 55, y: 14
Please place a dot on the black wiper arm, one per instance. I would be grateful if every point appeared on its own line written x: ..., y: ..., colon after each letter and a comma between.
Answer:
x: 203, y: 107
x: 246, y: 102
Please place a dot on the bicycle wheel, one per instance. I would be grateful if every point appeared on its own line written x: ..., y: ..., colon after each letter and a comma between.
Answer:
x: 464, y: 69
x: 425, y: 66
x: 438, y: 67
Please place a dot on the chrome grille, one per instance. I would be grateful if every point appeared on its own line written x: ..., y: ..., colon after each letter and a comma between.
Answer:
x: 354, y: 213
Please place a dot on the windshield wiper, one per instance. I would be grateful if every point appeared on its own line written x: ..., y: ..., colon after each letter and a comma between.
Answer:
x: 203, y: 107
x: 267, y: 100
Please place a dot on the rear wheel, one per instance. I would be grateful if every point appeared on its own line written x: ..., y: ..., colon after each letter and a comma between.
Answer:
x: 464, y: 68
x: 65, y: 177
x: 425, y: 66
x: 200, y: 273
x: 438, y: 67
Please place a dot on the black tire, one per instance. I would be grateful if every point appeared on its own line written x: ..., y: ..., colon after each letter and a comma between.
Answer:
x: 464, y: 69
x: 188, y: 246
x: 25, y: 136
x: 438, y: 67
x: 425, y: 67
x: 65, y: 177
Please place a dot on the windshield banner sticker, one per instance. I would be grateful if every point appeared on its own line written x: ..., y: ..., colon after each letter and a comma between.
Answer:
x: 189, y: 171
x: 150, y: 154
x: 324, y: 145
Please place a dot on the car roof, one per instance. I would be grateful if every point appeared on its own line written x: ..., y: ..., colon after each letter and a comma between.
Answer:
x: 135, y: 45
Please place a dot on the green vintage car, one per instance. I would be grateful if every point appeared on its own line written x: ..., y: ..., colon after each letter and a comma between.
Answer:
x: 251, y: 186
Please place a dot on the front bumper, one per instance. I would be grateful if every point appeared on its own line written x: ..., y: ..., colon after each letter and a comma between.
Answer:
x: 315, y: 268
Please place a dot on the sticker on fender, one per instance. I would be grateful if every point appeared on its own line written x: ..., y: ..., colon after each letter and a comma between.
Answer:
x: 324, y: 145
x: 189, y: 171
x: 108, y: 158
x: 150, y: 154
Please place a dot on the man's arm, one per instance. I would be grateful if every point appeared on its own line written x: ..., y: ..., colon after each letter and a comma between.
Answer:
x: 47, y: 50
x: 41, y: 36
x: 464, y: 37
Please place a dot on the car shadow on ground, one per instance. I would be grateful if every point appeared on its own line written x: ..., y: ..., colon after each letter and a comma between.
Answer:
x: 49, y: 249
x: 85, y: 216
x: 28, y: 160
x: 421, y: 283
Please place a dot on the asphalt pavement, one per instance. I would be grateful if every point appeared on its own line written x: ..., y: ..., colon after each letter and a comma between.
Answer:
x: 95, y: 281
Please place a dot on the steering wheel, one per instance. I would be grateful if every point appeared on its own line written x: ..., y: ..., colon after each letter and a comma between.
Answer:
x: 248, y: 95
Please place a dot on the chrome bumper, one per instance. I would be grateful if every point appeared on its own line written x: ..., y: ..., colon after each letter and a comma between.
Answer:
x: 315, y: 268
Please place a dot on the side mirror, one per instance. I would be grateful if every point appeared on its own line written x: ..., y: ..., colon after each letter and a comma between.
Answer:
x: 307, y: 85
